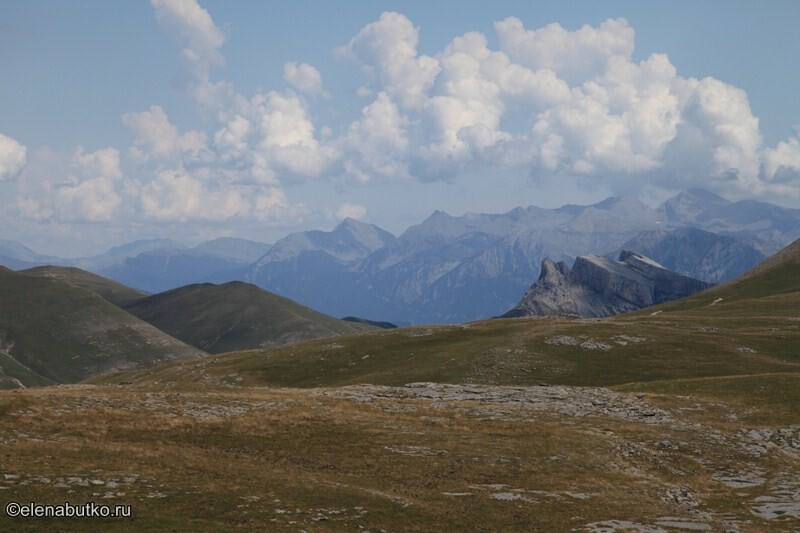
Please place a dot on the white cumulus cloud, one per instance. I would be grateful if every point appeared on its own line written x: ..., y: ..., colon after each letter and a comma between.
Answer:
x: 90, y: 193
x: 156, y: 137
x: 576, y: 54
x: 12, y: 157
x: 387, y: 48
x: 304, y: 78
x: 782, y: 163
x: 174, y: 195
x: 376, y: 144
x: 288, y: 135
x: 620, y: 122
x: 191, y: 26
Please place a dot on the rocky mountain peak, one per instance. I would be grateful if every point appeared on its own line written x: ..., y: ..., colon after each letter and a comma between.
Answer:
x: 686, y: 206
x: 350, y: 241
x: 552, y: 271
x: 597, y: 286
x: 365, y: 235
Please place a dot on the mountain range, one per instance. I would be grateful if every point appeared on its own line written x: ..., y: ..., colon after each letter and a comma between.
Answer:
x: 454, y: 268
x: 151, y: 265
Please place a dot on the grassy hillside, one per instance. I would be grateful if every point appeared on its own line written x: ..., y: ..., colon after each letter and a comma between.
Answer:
x: 116, y: 293
x: 236, y: 316
x: 748, y: 326
x: 14, y: 375
x: 512, y: 352
x: 58, y: 332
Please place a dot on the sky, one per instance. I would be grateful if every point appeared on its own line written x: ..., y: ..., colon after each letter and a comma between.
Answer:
x: 196, y: 119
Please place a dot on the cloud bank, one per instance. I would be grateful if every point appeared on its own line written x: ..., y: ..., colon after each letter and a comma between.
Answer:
x: 550, y: 103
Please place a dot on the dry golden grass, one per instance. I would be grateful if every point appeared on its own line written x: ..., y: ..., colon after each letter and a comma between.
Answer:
x: 205, y: 459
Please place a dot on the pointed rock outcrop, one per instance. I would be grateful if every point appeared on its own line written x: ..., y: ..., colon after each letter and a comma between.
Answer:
x: 597, y: 286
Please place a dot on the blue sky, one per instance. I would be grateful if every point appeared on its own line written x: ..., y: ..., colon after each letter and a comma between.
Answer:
x: 127, y: 120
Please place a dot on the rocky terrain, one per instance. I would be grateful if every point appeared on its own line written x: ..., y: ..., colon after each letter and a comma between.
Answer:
x: 421, y: 456
x: 597, y: 287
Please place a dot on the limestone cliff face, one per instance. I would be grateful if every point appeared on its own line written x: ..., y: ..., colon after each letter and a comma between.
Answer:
x: 597, y: 286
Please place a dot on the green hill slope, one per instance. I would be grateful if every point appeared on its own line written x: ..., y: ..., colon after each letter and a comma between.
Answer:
x: 116, y: 293
x: 54, y: 331
x: 236, y: 316
x: 753, y: 329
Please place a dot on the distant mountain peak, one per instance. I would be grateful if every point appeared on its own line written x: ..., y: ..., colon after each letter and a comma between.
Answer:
x: 687, y: 206
x: 703, y: 194
x: 144, y: 245
x: 613, y: 201
x: 234, y: 248
x: 351, y: 240
x: 354, y: 226
x: 351, y: 222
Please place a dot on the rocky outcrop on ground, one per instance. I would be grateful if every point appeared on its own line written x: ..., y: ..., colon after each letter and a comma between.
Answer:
x: 597, y: 286
x: 567, y: 401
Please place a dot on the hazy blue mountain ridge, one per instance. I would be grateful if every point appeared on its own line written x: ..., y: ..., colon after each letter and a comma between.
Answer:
x: 461, y: 268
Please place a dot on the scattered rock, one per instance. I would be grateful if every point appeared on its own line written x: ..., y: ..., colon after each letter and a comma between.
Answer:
x: 595, y: 345
x: 681, y: 496
x: 623, y: 340
x: 415, y: 451
x: 494, y: 401
x: 564, y: 340
x: 683, y: 524
x: 612, y: 526
x: 782, y: 502
x: 510, y: 496
x: 742, y: 480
